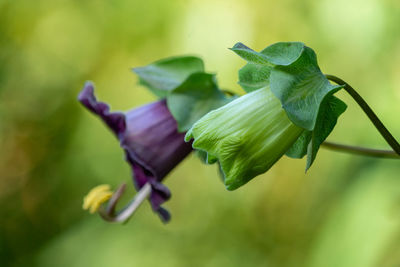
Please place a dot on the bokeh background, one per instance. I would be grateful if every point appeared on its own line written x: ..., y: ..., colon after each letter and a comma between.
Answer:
x: 344, y: 212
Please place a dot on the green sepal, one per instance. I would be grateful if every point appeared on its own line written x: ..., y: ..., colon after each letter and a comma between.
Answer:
x: 331, y: 108
x: 283, y: 53
x: 256, y: 73
x: 310, y: 141
x: 253, y: 77
x: 250, y: 55
x: 303, y: 90
x: 301, y: 87
x: 195, y: 97
x: 166, y: 74
x: 307, y: 97
x: 299, y: 149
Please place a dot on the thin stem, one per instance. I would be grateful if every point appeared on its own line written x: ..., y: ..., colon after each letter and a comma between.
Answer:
x: 369, y: 112
x: 361, y: 150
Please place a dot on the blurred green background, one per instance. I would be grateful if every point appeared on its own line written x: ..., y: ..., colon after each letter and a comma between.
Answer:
x: 344, y: 212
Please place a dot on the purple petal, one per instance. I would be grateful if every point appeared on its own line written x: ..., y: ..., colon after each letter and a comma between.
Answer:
x: 152, y: 139
x: 115, y: 120
x: 149, y: 136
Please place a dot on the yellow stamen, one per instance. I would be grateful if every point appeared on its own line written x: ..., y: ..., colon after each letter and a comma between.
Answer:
x: 96, y: 197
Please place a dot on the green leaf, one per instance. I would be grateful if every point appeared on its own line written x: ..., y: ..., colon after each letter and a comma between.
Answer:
x: 250, y: 55
x: 253, y: 77
x: 301, y: 87
x: 299, y: 148
x: 166, y: 74
x: 331, y: 109
x: 195, y: 97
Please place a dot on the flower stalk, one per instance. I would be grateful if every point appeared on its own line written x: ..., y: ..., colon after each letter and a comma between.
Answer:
x: 369, y: 112
x: 378, y: 153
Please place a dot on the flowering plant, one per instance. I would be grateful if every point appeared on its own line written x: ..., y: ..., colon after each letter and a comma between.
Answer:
x: 289, y: 108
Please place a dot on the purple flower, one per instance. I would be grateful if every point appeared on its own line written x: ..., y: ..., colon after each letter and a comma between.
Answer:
x: 152, y: 144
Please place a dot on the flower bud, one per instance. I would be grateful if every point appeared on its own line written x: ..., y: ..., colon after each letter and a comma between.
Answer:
x: 247, y: 136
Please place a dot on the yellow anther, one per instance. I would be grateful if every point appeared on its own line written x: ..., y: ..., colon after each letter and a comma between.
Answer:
x: 96, y: 197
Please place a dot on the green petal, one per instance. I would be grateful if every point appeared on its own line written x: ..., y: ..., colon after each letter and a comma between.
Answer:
x: 247, y: 136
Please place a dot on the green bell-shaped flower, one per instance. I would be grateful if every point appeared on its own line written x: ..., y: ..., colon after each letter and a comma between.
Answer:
x: 247, y: 136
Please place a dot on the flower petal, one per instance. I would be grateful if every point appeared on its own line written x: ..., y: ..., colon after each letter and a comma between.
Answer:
x: 152, y: 144
x: 114, y: 120
x: 247, y: 136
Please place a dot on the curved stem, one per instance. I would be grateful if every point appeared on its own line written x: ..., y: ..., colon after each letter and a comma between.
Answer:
x: 123, y: 215
x: 379, y: 153
x: 370, y: 113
